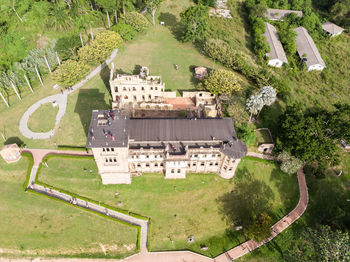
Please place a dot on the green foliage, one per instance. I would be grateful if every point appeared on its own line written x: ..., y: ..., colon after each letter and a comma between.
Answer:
x: 211, y: 3
x: 127, y: 32
x: 287, y: 36
x: 13, y: 47
x: 247, y: 134
x: 235, y: 108
x: 100, y: 48
x: 194, y: 21
x: 70, y: 72
x: 340, y: 13
x: 290, y: 164
x: 259, y: 229
x: 222, y: 81
x: 67, y: 46
x: 309, y: 136
x: 136, y: 20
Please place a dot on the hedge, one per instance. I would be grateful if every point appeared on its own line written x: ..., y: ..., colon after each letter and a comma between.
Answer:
x: 29, y: 170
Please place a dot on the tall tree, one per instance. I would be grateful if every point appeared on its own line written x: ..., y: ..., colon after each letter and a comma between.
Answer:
x: 222, y: 81
x: 194, y: 21
x: 152, y: 6
x: 254, y: 104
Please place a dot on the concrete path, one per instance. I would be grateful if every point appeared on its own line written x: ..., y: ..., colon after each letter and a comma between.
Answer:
x: 39, y: 154
x: 61, y: 100
x: 173, y: 256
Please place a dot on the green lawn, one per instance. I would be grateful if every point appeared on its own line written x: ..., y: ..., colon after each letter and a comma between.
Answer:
x: 178, y: 208
x: 43, y: 119
x: 35, y: 225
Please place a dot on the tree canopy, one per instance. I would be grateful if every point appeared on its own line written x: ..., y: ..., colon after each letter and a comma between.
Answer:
x: 194, y: 21
x: 222, y: 81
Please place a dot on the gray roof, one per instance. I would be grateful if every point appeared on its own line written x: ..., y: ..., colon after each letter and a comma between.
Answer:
x: 276, y: 49
x: 109, y: 129
x: 278, y: 14
x: 307, y: 49
x: 332, y: 28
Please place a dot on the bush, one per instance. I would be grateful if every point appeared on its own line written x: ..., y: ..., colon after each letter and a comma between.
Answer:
x: 222, y: 81
x: 211, y: 3
x: 70, y: 72
x: 247, y: 134
x: 136, y: 20
x: 127, y: 32
x: 290, y: 164
x: 67, y: 46
x: 100, y: 48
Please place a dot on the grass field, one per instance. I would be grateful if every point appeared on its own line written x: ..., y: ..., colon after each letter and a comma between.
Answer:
x: 43, y: 119
x: 35, y: 225
x: 178, y: 208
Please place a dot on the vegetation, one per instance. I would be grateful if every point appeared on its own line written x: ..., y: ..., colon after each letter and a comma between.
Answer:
x: 70, y: 72
x: 127, y: 32
x: 136, y: 20
x: 199, y: 193
x: 194, y: 21
x: 67, y: 46
x: 43, y: 119
x: 290, y: 164
x: 247, y: 134
x: 54, y: 229
x: 222, y: 81
x: 100, y: 48
x: 152, y: 6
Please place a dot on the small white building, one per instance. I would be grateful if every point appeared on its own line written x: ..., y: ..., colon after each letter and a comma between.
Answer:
x: 276, y: 55
x: 279, y: 14
x: 308, y: 51
x: 332, y: 29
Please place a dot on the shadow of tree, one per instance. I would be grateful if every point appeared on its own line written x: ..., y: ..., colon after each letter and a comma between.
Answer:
x: 105, y: 74
x: 88, y: 100
x: 14, y: 140
x: 249, y: 199
x: 136, y: 70
x: 170, y: 21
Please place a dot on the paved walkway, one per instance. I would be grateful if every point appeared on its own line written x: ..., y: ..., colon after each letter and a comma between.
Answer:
x: 61, y: 100
x: 39, y: 154
x: 173, y: 256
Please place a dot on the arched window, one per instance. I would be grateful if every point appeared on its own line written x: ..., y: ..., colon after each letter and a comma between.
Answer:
x: 124, y: 88
x: 134, y: 89
x: 142, y: 88
x: 125, y: 97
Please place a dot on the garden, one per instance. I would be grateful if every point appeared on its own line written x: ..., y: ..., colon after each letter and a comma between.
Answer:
x: 195, y: 206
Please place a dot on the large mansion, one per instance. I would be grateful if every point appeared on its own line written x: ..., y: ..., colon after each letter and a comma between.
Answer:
x: 124, y: 146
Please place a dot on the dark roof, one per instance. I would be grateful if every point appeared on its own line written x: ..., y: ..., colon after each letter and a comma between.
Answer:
x: 181, y: 129
x: 234, y: 149
x: 109, y: 129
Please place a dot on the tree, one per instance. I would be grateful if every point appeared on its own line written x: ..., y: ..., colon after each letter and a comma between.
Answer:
x: 268, y: 94
x: 222, y: 81
x: 67, y: 46
x: 260, y: 228
x: 247, y: 134
x: 100, y: 48
x: 136, y: 20
x: 127, y: 32
x: 70, y: 72
x: 194, y: 21
x: 254, y: 104
x: 152, y: 6
x: 305, y: 136
x: 290, y: 164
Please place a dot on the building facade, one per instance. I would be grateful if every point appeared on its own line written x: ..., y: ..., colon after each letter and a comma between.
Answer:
x: 124, y: 147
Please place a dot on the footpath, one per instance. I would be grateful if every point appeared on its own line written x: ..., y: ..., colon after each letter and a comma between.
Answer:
x: 171, y: 256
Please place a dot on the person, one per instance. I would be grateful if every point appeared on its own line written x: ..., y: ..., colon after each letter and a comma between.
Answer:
x: 176, y: 67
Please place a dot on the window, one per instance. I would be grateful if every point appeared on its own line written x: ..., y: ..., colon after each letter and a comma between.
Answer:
x: 230, y: 169
x: 172, y: 170
x: 138, y: 165
x: 149, y: 96
x: 134, y: 98
x: 142, y: 88
x: 103, y: 149
x: 147, y: 164
x: 225, y: 167
x: 202, y: 163
x: 116, y: 89
x: 156, y: 88
x: 211, y: 164
x: 179, y: 171
x: 195, y: 155
x: 161, y: 164
x: 115, y: 160
x: 194, y: 164
x: 124, y: 88
x: 134, y: 89
x: 125, y: 97
x: 107, y: 149
x: 156, y: 164
x: 143, y: 97
x: 112, y: 149
x: 151, y: 87
x: 216, y: 163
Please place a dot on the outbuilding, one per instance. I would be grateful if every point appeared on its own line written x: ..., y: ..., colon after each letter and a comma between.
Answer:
x: 276, y: 55
x: 11, y: 153
x: 332, y: 29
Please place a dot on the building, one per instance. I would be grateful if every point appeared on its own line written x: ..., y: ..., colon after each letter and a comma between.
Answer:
x: 277, y: 56
x: 124, y: 146
x: 132, y: 89
x: 279, y: 14
x: 200, y: 72
x: 308, y: 51
x: 332, y: 29
x: 11, y: 153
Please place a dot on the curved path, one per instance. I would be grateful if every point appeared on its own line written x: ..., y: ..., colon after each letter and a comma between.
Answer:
x: 171, y: 256
x: 39, y: 154
x: 61, y: 100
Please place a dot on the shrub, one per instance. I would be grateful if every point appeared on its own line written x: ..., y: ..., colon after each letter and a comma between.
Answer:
x: 247, y: 134
x: 127, y: 32
x: 290, y: 164
x: 211, y: 3
x: 222, y: 81
x: 136, y: 20
x: 70, y: 72
x: 100, y: 48
x: 67, y: 46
